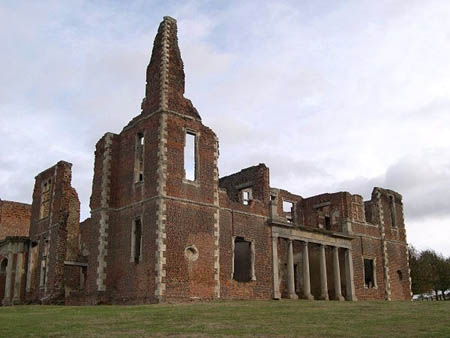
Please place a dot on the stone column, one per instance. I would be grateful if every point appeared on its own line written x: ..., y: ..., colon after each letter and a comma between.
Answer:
x: 276, y: 280
x: 306, y: 278
x: 29, y: 271
x: 323, y: 274
x: 7, y: 298
x: 349, y: 275
x: 290, y: 263
x: 337, y: 274
x: 18, y: 281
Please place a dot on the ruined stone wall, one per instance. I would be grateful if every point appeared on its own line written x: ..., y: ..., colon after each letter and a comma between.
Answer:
x: 280, y: 195
x: 256, y: 177
x: 382, y: 238
x: 250, y: 223
x: 336, y: 206
x: 370, y: 248
x: 192, y: 213
x: 54, y: 232
x: 14, y: 219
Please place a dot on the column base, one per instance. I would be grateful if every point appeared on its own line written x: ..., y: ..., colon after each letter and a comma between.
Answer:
x: 340, y: 298
x: 352, y: 298
x: 6, y: 302
x: 16, y: 301
x: 277, y: 296
x: 308, y: 297
x: 293, y: 296
x: 324, y: 297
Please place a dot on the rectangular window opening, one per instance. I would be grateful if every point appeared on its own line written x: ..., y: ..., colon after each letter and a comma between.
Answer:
x: 43, y: 279
x: 139, y: 158
x: 45, y: 199
x: 328, y: 222
x: 246, y: 195
x: 242, y: 260
x: 83, y: 275
x: 369, y: 277
x: 392, y: 210
x: 190, y: 160
x: 137, y: 240
x: 288, y: 210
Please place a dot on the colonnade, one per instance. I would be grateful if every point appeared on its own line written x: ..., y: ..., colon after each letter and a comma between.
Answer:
x: 306, y: 277
x: 14, y: 249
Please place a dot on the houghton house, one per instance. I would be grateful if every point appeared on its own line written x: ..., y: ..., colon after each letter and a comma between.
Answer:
x: 165, y: 227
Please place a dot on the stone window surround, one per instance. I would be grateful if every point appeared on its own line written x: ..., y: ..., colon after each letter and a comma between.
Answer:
x: 250, y: 195
x: 139, y: 136
x: 197, y: 134
x: 374, y: 260
x: 392, y: 211
x: 45, y: 183
x: 293, y: 209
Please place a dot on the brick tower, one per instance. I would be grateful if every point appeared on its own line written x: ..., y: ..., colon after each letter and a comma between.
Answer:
x: 153, y: 233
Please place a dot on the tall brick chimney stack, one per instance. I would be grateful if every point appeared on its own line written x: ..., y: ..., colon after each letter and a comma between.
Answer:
x: 165, y: 74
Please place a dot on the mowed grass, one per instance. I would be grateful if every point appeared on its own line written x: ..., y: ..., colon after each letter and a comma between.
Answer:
x: 232, y: 318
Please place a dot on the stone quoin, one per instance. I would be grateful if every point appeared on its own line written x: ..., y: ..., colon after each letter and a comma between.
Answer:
x: 164, y: 226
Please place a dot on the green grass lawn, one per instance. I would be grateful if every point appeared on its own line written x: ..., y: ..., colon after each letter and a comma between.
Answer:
x: 240, y: 318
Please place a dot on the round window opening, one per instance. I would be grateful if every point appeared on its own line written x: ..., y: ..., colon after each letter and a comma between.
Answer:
x: 191, y: 253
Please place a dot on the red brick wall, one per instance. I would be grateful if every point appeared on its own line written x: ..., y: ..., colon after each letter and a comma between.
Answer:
x: 14, y: 219
x: 60, y: 228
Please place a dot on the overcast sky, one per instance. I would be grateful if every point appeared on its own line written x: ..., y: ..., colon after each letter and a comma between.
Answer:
x: 331, y: 95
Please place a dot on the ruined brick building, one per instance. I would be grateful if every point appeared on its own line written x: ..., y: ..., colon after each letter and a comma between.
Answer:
x: 164, y: 227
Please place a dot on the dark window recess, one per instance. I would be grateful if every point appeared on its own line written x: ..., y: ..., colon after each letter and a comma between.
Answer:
x: 400, y: 275
x: 4, y: 265
x: 242, y: 260
x: 392, y: 209
x: 83, y: 276
x: 328, y: 222
x: 369, y: 278
x: 137, y: 240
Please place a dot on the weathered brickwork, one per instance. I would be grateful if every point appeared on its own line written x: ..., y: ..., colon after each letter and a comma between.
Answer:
x: 14, y: 219
x: 164, y: 227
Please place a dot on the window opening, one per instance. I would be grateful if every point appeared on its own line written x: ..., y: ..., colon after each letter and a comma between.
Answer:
x: 288, y: 208
x: 246, y: 195
x: 43, y: 275
x: 400, y: 275
x: 136, y: 241
x: 242, y: 260
x: 369, y: 277
x: 190, y: 164
x: 328, y: 222
x: 45, y: 199
x: 392, y: 210
x: 139, y: 160
x: 83, y: 275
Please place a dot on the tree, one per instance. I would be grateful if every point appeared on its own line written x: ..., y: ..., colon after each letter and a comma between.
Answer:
x: 421, y: 272
x: 429, y: 271
x: 443, y: 275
